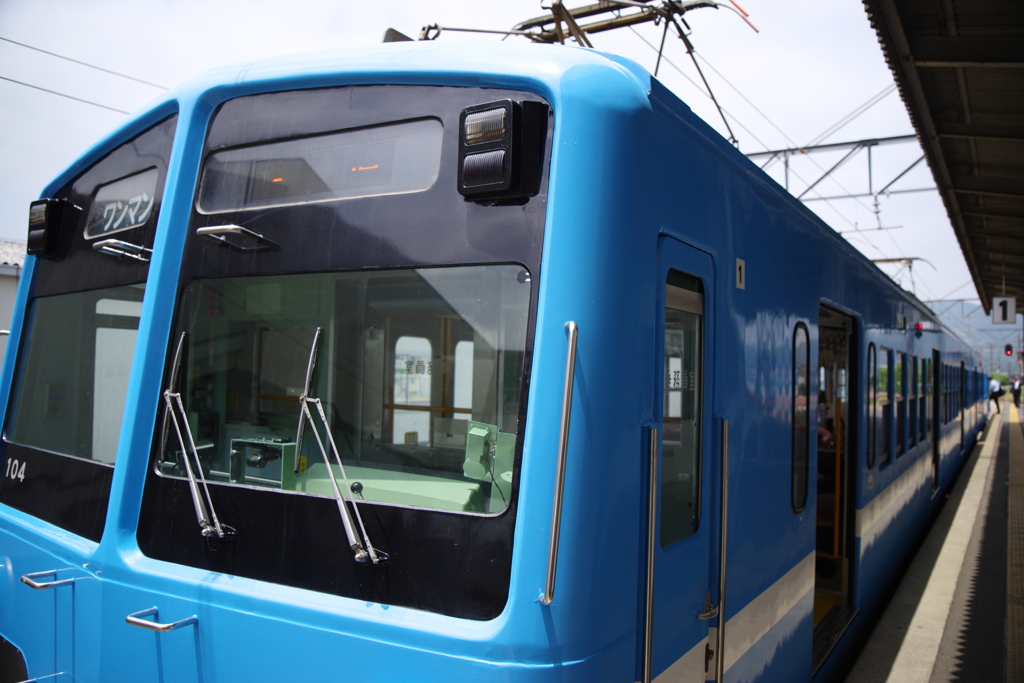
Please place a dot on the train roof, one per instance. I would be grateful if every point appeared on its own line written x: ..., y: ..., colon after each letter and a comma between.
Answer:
x: 543, y: 69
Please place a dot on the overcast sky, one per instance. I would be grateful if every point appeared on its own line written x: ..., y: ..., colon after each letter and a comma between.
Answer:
x: 812, y: 64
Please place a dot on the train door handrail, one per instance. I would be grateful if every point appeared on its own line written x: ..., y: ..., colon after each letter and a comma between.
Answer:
x: 652, y: 519
x: 563, y: 446
x: 720, y: 633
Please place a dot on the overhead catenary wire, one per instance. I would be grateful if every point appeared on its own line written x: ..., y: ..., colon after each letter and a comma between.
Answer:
x: 838, y: 213
x: 792, y: 143
x: 849, y: 118
x: 699, y: 88
x: 87, y: 64
x: 60, y: 94
x: 746, y: 99
x: 878, y: 97
x: 726, y: 116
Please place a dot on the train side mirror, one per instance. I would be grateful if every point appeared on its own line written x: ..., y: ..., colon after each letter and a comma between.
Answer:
x: 45, y: 218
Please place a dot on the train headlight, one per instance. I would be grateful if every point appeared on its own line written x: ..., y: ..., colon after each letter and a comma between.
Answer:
x: 501, y: 147
x: 485, y: 126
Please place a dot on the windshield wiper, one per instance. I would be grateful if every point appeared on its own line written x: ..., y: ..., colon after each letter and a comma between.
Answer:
x: 363, y: 550
x: 208, y: 523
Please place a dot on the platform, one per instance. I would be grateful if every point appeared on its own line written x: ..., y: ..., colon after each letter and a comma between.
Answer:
x: 958, y: 613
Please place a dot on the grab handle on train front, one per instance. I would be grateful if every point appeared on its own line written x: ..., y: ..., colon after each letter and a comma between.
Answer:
x: 563, y: 447
x: 139, y: 619
x: 30, y: 580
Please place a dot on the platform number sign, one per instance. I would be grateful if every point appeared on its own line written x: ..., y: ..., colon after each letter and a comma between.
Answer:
x: 1004, y: 310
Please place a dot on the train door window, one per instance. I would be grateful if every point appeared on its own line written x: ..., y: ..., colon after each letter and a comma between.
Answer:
x: 912, y: 398
x: 899, y: 399
x: 936, y: 387
x: 801, y: 412
x: 681, y: 428
x: 872, y: 386
x: 883, y: 394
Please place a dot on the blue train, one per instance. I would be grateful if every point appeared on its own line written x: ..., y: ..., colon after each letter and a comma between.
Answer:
x: 445, y: 363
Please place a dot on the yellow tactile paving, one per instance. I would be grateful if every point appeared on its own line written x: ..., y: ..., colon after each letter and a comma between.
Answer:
x: 1015, y: 554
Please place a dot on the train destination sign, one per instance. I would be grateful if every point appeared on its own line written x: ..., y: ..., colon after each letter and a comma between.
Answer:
x: 123, y: 204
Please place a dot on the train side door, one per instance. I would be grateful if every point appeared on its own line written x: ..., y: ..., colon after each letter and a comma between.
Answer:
x: 936, y: 387
x: 681, y: 504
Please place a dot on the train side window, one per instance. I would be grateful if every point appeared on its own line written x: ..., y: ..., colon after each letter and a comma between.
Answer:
x: 801, y: 412
x: 410, y: 419
x: 79, y: 345
x: 945, y: 394
x: 949, y: 394
x: 925, y: 392
x: 913, y: 396
x: 682, y: 412
x: 883, y: 393
x: 462, y: 391
x: 872, y: 401
x: 950, y: 412
x: 899, y: 398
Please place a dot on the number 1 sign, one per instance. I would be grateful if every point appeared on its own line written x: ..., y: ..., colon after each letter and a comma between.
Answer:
x: 1004, y: 310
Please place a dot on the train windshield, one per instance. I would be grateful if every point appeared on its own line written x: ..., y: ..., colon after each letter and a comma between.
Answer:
x: 413, y: 387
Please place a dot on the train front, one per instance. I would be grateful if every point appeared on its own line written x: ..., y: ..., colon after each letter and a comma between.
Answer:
x: 270, y: 385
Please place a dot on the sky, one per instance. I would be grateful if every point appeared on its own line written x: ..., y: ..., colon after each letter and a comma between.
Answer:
x: 811, y: 65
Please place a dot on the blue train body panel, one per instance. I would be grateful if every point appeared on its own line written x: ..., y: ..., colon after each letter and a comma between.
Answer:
x: 716, y: 315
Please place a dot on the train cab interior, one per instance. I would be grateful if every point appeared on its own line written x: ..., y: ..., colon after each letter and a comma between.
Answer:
x: 409, y: 379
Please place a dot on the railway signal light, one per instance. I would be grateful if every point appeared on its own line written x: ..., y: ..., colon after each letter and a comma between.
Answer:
x: 1009, y: 349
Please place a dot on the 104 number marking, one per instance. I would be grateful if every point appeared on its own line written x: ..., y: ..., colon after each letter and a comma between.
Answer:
x: 15, y: 469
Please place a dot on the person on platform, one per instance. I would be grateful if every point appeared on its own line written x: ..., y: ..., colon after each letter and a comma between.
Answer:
x: 995, y: 390
x: 1015, y: 390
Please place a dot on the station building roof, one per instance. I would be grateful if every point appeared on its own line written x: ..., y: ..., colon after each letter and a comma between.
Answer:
x: 959, y: 66
x: 12, y: 254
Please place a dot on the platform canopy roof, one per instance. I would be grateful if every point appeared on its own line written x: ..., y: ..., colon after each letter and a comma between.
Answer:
x: 959, y: 66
